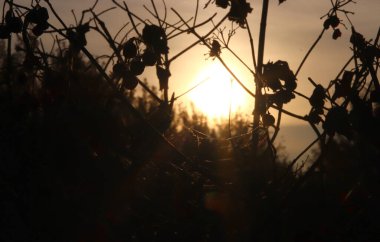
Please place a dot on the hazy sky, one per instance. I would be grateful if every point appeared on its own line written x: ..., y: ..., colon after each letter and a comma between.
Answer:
x: 292, y: 28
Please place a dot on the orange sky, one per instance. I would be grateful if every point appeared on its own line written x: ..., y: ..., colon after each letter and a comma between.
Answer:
x: 292, y: 28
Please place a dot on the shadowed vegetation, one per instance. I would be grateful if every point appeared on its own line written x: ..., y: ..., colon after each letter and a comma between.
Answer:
x: 85, y: 156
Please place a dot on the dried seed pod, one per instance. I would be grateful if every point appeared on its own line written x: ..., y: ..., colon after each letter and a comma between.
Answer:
x: 334, y: 21
x: 215, y: 48
x: 222, y: 3
x: 130, y: 81
x: 336, y: 34
x: 119, y: 70
x: 155, y: 37
x: 268, y: 120
x: 15, y: 24
x: 39, y: 29
x: 149, y: 57
x: 130, y: 49
x: 137, y: 66
x: 38, y: 15
x: 314, y: 117
x: 327, y: 23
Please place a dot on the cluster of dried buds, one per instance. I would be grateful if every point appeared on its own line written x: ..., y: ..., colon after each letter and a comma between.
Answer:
x: 39, y: 17
x: 361, y: 116
x: 238, y: 11
x: 333, y: 21
x: 10, y: 24
x: 35, y: 18
x: 281, y: 80
x: 141, y: 52
x: 216, y: 49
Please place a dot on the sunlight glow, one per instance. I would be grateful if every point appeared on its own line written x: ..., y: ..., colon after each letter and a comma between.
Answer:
x: 217, y: 93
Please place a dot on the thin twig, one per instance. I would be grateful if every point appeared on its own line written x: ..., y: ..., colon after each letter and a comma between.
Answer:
x: 309, y: 51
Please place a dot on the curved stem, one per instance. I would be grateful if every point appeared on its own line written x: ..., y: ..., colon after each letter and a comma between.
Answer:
x: 252, y: 45
x: 240, y: 60
x: 277, y: 129
x: 309, y: 51
x: 199, y: 40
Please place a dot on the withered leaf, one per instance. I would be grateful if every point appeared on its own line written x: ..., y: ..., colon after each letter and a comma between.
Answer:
x: 163, y: 76
x: 317, y: 98
x: 239, y: 11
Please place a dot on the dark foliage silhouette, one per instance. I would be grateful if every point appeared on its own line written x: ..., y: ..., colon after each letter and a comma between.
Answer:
x: 85, y: 156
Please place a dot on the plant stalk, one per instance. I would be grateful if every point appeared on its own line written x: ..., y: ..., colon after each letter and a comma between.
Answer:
x: 259, y: 71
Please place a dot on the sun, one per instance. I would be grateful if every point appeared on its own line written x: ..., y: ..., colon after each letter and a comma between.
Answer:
x: 217, y: 92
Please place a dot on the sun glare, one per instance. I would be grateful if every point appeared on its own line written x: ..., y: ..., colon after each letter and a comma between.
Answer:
x: 217, y: 93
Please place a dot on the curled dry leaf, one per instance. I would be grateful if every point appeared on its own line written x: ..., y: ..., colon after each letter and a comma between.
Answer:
x: 343, y: 87
x: 163, y: 77
x: 239, y: 11
x: 337, y: 122
x: 317, y: 98
x: 268, y: 120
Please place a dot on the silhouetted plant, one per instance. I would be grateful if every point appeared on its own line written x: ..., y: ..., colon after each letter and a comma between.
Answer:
x: 79, y: 145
